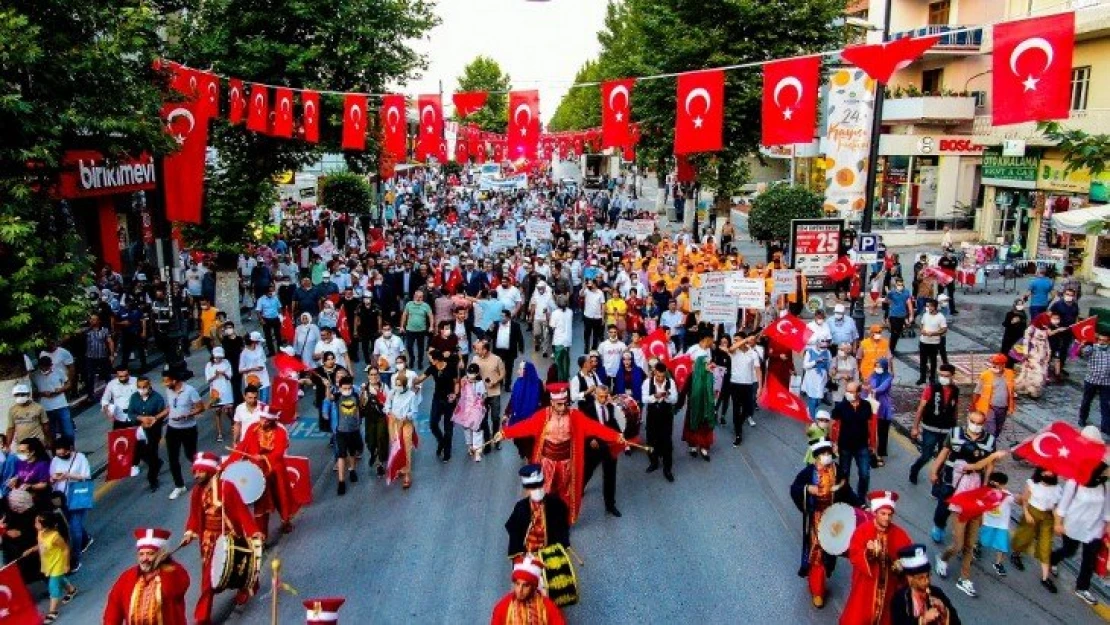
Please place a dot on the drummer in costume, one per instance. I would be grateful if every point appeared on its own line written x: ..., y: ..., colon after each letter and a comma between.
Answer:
x: 660, y: 394
x: 873, y: 553
x: 920, y: 603
x: 525, y: 605
x: 216, y: 509
x: 539, y: 519
x: 265, y: 444
x: 815, y: 488
x: 559, y: 445
x: 153, y: 592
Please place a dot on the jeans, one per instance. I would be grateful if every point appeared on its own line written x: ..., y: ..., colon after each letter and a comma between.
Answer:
x: 415, y: 346
x: 443, y: 429
x: 78, y: 537
x: 61, y: 423
x: 1089, y: 392
x: 862, y: 457
x: 931, y: 444
x: 1086, y: 562
x: 996, y: 418
x: 176, y: 439
x: 812, y: 403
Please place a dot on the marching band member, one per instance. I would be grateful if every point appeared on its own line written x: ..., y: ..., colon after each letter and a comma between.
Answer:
x: 524, y: 605
x: 873, y: 553
x: 539, y: 519
x: 151, y: 592
x: 265, y: 444
x: 920, y: 603
x: 815, y: 488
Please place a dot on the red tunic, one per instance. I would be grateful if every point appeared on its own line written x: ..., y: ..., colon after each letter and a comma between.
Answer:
x: 165, y: 603
x: 581, y: 428
x: 873, y: 582
x: 209, y: 519
x: 505, y: 613
x: 271, y: 446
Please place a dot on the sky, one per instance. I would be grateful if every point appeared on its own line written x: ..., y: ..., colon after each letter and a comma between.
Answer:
x: 539, y: 43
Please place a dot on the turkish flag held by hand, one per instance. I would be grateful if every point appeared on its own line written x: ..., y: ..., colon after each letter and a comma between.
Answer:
x: 976, y: 502
x: 1085, y: 330
x: 1060, y: 448
x: 258, y: 115
x: 778, y: 398
x: 1032, y: 69
x: 393, y: 125
x: 685, y: 171
x: 468, y: 103
x: 300, y: 480
x: 790, y: 100
x: 183, y: 171
x: 237, y: 101
x: 354, y: 121
x: 788, y: 332
x: 524, y: 124
x: 616, y: 112
x: 699, y: 123
x: 121, y: 451
x: 681, y: 367
x: 288, y: 366
x: 943, y: 278
x: 283, y: 113
x: 16, y: 605
x: 288, y: 332
x: 840, y: 269
x: 881, y: 60
x: 430, y: 108
x: 656, y: 345
x: 310, y: 116
x: 284, y: 395
x: 343, y: 325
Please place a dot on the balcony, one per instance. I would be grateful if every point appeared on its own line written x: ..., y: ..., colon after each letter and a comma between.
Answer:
x: 961, y: 42
x: 1092, y: 122
x: 929, y: 109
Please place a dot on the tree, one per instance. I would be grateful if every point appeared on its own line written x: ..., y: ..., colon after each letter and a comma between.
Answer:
x: 1081, y: 150
x: 338, y: 45
x: 484, y: 74
x: 345, y: 192
x: 580, y: 108
x: 773, y: 210
x: 73, y: 76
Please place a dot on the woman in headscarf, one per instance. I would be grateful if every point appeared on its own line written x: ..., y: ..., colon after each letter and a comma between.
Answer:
x: 629, y: 379
x: 697, y: 431
x: 400, y: 408
x: 1013, y: 328
x: 816, y: 363
x: 305, y: 339
x: 524, y: 401
x: 879, y: 383
x: 1034, y: 369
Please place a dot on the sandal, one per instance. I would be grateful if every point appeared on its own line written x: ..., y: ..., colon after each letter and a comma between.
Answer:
x: 66, y: 598
x: 50, y: 618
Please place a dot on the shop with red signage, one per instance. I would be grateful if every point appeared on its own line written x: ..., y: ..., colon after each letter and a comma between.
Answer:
x: 113, y: 205
x: 928, y: 181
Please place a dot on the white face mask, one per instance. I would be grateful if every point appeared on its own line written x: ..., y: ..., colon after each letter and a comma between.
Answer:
x: 825, y: 459
x: 23, y: 399
x: 23, y: 457
x: 536, y: 494
x: 838, y: 316
x: 974, y: 428
x: 877, y: 337
x: 850, y: 396
x: 880, y: 370
x: 1019, y: 307
x: 1068, y: 298
x: 944, y: 380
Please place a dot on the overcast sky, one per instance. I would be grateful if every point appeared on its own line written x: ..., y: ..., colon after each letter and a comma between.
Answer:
x: 539, y: 43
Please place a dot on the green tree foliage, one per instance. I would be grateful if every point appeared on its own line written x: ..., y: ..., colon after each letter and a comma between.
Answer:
x: 484, y: 74
x: 772, y: 211
x: 346, y: 192
x: 72, y: 76
x: 580, y: 108
x: 1081, y: 150
x: 342, y: 45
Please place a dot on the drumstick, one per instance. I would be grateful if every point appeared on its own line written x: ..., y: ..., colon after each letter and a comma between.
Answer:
x: 574, y: 553
x: 242, y: 453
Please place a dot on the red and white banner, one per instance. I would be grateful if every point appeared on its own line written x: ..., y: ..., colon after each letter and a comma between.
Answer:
x: 183, y: 171
x: 354, y: 121
x: 1032, y: 63
x: 468, y: 103
x: 258, y: 113
x: 524, y: 125
x: 430, y: 113
x: 16, y: 605
x: 121, y: 452
x: 790, y: 100
x: 283, y: 113
x: 699, y: 120
x: 616, y: 113
x: 298, y: 471
x: 778, y: 398
x: 310, y: 116
x: 881, y: 60
x: 237, y: 101
x: 393, y: 126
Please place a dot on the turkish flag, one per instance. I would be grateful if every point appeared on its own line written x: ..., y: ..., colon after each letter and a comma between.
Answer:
x: 1061, y: 449
x: 288, y: 332
x: 237, y: 102
x: 462, y: 154
x: 524, y: 124
x: 479, y: 151
x: 788, y: 332
x: 208, y: 93
x: 430, y: 110
x: 498, y: 152
x: 616, y: 112
x: 881, y: 60
x: 287, y: 365
x: 468, y: 103
x: 121, y: 451
x: 790, y: 100
x: 699, y: 122
x: 354, y: 121
x: 298, y: 470
x: 258, y: 115
x: 656, y: 345
x: 16, y: 605
x: 976, y: 502
x: 1032, y: 69
x: 777, y: 398
x: 283, y: 113
x: 283, y: 396
x: 1085, y: 330
x: 310, y: 116
x: 686, y: 171
x: 840, y: 269
x: 393, y: 125
x: 943, y: 278
x: 184, y: 80
x: 681, y: 366
x: 183, y: 171
x: 343, y: 326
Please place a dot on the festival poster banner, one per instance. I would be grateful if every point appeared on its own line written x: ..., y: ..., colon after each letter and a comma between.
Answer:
x: 848, y: 140
x: 814, y: 245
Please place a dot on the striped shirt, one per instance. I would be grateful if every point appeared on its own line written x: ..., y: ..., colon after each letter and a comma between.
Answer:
x: 96, y: 343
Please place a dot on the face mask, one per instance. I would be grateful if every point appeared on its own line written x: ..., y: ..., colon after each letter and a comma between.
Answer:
x: 1019, y: 308
x: 877, y: 337
x: 536, y: 494
x: 880, y: 370
x: 23, y: 399
x: 825, y: 460
x: 975, y: 428
x: 229, y: 332
x: 387, y: 334
x: 400, y: 366
x: 944, y: 380
x: 1068, y: 298
x: 472, y: 376
x: 23, y: 457
x: 145, y: 392
x: 820, y: 322
x: 850, y: 396
x: 838, y: 316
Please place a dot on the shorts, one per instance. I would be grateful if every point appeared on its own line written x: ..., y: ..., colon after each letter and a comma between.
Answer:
x: 995, y: 538
x: 57, y: 585
x: 348, y: 444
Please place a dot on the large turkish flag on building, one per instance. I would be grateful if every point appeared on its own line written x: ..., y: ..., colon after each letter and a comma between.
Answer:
x: 354, y: 121
x: 616, y: 112
x: 699, y: 122
x: 790, y: 100
x: 393, y: 126
x: 183, y: 171
x: 524, y: 124
x: 430, y: 110
x: 1032, y: 69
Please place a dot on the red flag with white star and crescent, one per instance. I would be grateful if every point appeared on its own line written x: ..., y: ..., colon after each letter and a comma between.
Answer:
x: 699, y: 121
x: 354, y: 121
x: 790, y: 100
x: 524, y: 125
x: 310, y: 116
x: 616, y: 113
x: 1032, y: 63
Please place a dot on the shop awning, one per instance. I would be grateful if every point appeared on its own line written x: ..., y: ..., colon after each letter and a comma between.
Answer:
x: 1077, y: 221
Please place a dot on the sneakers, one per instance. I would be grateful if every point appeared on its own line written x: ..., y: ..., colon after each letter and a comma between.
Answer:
x: 937, y: 534
x: 736, y: 441
x: 1054, y: 570
x: 941, y: 567
x: 1049, y: 585
x: 177, y: 492
x: 1087, y: 596
x: 751, y: 421
x: 88, y: 544
x: 1017, y: 562
x: 966, y: 586
x: 999, y: 569
x: 134, y: 471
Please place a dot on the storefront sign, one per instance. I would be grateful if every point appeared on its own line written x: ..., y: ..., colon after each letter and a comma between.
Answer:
x: 88, y: 174
x: 930, y: 145
x: 1019, y: 172
x: 848, y: 140
x: 815, y: 244
x: 1051, y: 176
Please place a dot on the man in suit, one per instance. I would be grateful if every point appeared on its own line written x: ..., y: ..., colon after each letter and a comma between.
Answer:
x: 506, y: 339
x: 473, y: 279
x: 404, y: 283
x: 600, y: 409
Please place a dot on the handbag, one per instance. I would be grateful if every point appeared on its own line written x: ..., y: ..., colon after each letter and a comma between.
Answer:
x: 79, y: 493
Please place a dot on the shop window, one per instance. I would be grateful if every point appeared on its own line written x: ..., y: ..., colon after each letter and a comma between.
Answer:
x: 932, y: 80
x: 938, y: 13
x: 1080, y: 87
x: 1011, y: 222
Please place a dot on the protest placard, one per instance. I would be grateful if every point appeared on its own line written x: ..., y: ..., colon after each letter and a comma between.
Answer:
x: 750, y: 293
x: 785, y: 282
x: 718, y: 307
x: 537, y: 229
x: 502, y: 239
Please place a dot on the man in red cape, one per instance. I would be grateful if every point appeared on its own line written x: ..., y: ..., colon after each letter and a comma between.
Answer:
x: 873, y: 553
x: 265, y: 444
x: 559, y: 445
x: 524, y: 604
x: 154, y: 590
x: 215, y: 509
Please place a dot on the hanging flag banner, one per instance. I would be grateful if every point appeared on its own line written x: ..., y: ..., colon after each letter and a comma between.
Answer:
x: 848, y: 141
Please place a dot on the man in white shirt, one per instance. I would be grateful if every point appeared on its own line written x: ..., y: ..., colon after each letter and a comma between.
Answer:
x: 61, y: 357
x: 818, y: 330
x: 50, y: 384
x: 539, y: 312
x: 117, y: 396
x: 583, y: 384
x: 933, y: 328
x: 509, y: 296
x: 593, y: 304
x: 246, y: 414
x: 562, y: 326
x: 675, y: 322
x: 611, y: 350
x: 388, y: 346
x: 329, y: 342
x: 743, y: 378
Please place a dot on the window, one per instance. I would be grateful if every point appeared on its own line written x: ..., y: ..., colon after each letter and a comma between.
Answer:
x: 938, y: 13
x: 1080, y: 86
x: 932, y: 81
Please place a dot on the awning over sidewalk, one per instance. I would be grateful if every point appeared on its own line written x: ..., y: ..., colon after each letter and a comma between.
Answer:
x: 1078, y: 221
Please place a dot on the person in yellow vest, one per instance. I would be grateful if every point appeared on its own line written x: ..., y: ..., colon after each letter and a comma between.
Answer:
x: 994, y: 394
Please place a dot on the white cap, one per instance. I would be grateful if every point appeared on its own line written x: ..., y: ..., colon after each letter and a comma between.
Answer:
x: 217, y: 352
x: 255, y: 336
x: 21, y: 389
x: 839, y: 308
x: 1091, y: 433
x: 823, y: 415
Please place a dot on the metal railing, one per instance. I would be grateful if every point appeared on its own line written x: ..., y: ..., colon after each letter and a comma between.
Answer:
x: 963, y: 39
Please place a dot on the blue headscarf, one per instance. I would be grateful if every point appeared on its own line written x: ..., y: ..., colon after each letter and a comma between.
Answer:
x: 526, y: 394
